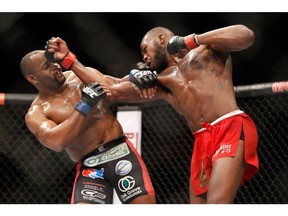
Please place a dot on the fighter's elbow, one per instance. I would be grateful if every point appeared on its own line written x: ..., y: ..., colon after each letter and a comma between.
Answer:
x: 248, y: 35
x: 54, y: 144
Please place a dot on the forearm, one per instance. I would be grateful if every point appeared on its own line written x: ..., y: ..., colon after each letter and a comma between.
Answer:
x: 128, y: 92
x: 228, y: 39
x: 85, y: 75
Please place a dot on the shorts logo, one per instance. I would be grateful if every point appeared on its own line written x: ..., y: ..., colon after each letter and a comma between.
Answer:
x: 93, y: 173
x: 93, y: 193
x: 126, y: 183
x: 123, y: 167
x: 203, y: 177
x: 224, y: 148
x: 118, y: 151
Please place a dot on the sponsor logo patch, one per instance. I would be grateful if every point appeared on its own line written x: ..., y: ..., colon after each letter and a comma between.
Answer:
x: 117, y: 152
x: 123, y: 167
x: 93, y: 173
x: 126, y: 183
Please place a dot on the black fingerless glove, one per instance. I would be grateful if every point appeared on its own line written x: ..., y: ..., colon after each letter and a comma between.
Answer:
x: 177, y: 43
x: 91, y: 94
x: 143, y: 78
x: 65, y: 62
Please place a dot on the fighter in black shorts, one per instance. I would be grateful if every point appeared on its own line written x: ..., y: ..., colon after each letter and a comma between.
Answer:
x: 73, y: 115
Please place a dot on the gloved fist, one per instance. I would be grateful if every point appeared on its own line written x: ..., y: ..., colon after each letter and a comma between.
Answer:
x: 56, y: 51
x: 143, y: 78
x: 50, y: 55
x: 91, y: 94
x: 177, y: 43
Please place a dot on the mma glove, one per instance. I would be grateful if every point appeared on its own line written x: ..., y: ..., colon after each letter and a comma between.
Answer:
x: 91, y: 94
x: 177, y: 43
x: 65, y: 62
x: 143, y: 79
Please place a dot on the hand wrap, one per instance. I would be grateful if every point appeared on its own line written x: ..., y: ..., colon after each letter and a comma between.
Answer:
x: 143, y: 78
x: 68, y: 60
x: 91, y: 94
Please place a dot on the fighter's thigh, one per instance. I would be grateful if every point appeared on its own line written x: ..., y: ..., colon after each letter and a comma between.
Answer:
x: 226, y: 177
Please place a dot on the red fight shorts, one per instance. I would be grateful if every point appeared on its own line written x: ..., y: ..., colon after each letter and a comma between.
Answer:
x: 220, y: 139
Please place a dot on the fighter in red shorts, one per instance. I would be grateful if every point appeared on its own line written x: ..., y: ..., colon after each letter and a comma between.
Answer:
x: 195, y: 77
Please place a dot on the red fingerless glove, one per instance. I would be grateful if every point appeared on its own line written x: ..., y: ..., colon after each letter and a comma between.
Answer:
x: 68, y: 60
x: 191, y: 42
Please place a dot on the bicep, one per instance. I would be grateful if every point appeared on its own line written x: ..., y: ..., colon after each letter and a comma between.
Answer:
x: 39, y: 124
x: 107, y: 79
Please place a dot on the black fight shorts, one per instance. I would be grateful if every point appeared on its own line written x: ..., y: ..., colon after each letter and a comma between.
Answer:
x: 114, y: 165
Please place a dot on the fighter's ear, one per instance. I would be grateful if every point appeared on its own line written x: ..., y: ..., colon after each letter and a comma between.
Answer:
x: 161, y: 38
x: 32, y: 79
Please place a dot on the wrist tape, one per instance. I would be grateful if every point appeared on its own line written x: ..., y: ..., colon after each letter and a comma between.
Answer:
x: 82, y: 107
x: 68, y: 60
x: 191, y: 41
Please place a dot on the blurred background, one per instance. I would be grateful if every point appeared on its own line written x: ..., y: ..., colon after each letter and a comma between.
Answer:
x: 109, y: 41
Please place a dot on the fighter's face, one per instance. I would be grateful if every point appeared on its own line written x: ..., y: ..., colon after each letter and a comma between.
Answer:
x: 154, y: 55
x: 160, y: 58
x: 47, y: 73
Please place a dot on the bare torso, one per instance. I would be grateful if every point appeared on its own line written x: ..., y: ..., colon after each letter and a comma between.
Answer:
x: 100, y: 125
x: 200, y: 86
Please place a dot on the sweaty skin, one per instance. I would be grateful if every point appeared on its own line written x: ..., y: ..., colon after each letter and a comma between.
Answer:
x: 199, y: 84
x: 55, y: 122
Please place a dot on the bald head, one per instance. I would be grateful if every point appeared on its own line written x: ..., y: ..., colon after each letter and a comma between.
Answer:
x: 160, y: 30
x: 26, y: 64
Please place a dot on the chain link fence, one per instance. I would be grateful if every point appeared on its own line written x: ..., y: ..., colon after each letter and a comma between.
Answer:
x: 33, y: 174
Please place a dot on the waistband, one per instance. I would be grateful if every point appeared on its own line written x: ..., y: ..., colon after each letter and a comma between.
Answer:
x: 227, y: 115
x: 105, y: 147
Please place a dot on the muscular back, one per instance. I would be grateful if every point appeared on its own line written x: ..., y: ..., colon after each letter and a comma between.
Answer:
x: 200, y: 86
x: 54, y: 116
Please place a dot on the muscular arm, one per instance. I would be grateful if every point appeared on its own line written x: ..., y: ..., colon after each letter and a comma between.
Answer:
x: 50, y: 134
x: 120, y: 89
x: 228, y: 39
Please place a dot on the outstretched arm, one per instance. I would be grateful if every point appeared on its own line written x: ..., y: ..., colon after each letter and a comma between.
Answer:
x: 117, y: 89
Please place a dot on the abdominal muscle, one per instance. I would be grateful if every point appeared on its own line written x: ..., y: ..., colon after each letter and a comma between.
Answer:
x: 203, y: 106
x: 94, y: 136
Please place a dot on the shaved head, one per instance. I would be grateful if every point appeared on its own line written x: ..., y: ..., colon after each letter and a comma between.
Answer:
x: 26, y: 62
x: 156, y: 32
x: 160, y: 30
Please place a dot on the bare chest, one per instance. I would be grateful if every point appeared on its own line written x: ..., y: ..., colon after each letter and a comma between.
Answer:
x: 61, y: 106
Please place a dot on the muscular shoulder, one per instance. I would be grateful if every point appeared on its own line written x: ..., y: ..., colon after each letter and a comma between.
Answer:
x: 202, y: 55
x: 34, y: 114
